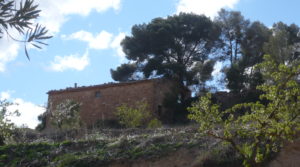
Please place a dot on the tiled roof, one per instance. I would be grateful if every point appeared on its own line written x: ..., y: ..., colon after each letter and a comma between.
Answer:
x: 106, y: 85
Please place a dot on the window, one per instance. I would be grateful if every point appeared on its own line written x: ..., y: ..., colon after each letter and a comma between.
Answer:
x: 97, y: 94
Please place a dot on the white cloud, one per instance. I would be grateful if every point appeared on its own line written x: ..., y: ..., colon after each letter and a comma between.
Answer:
x: 29, y: 111
x: 99, y: 41
x: 102, y: 40
x: 74, y: 62
x: 117, y: 47
x: 83, y: 7
x: 55, y: 12
x: 8, y: 52
x: 5, y: 95
x: 207, y: 7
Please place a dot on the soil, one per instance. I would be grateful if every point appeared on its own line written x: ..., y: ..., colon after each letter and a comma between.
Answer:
x: 289, y: 156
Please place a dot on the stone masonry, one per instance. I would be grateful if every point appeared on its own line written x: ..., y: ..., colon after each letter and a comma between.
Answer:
x: 99, y: 102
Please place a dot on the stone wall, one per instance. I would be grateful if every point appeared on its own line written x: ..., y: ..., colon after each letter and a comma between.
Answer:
x: 100, y: 102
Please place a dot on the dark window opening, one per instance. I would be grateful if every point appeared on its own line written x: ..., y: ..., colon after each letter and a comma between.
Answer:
x: 97, y: 94
x: 159, y: 110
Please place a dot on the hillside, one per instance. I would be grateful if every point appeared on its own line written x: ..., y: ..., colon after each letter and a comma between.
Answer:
x: 132, y: 147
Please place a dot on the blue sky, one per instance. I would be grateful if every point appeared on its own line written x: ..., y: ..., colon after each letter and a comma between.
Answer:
x: 86, y: 41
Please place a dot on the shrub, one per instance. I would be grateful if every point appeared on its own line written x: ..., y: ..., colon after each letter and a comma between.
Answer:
x: 154, y: 123
x: 132, y: 117
x: 263, y: 128
x: 6, y: 126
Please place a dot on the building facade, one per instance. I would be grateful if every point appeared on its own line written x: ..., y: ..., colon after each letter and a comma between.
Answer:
x: 99, y: 102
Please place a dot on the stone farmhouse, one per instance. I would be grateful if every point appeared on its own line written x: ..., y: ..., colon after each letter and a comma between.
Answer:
x: 99, y: 102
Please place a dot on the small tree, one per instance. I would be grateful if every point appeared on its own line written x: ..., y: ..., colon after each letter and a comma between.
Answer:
x: 66, y: 115
x: 6, y: 126
x: 263, y: 128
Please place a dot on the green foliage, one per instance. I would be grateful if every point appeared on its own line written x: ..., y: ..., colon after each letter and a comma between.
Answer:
x: 24, y: 154
x: 256, y: 35
x: 84, y: 153
x: 21, y: 17
x: 242, y: 77
x: 124, y: 72
x: 262, y: 128
x: 175, y: 47
x: 67, y: 160
x: 233, y: 26
x: 132, y: 117
x: 235, y: 78
x: 66, y: 115
x: 284, y: 43
x: 6, y: 126
x: 42, y: 118
x: 281, y: 42
x: 154, y: 123
x: 243, y: 43
x: 137, y: 116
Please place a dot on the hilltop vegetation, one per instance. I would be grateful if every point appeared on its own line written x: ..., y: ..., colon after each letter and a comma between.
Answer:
x: 122, y: 148
x: 183, y: 48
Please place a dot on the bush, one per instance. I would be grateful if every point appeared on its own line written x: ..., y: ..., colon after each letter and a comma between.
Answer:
x: 132, y: 117
x: 263, y: 128
x: 137, y: 116
x: 6, y: 126
x: 154, y: 123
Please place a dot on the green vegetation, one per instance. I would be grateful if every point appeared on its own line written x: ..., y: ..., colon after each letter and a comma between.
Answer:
x: 42, y: 118
x: 263, y: 127
x: 137, y: 116
x: 6, y: 126
x: 154, y: 123
x: 176, y: 47
x: 132, y: 117
x: 128, y: 146
x: 184, y: 49
x: 66, y: 115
